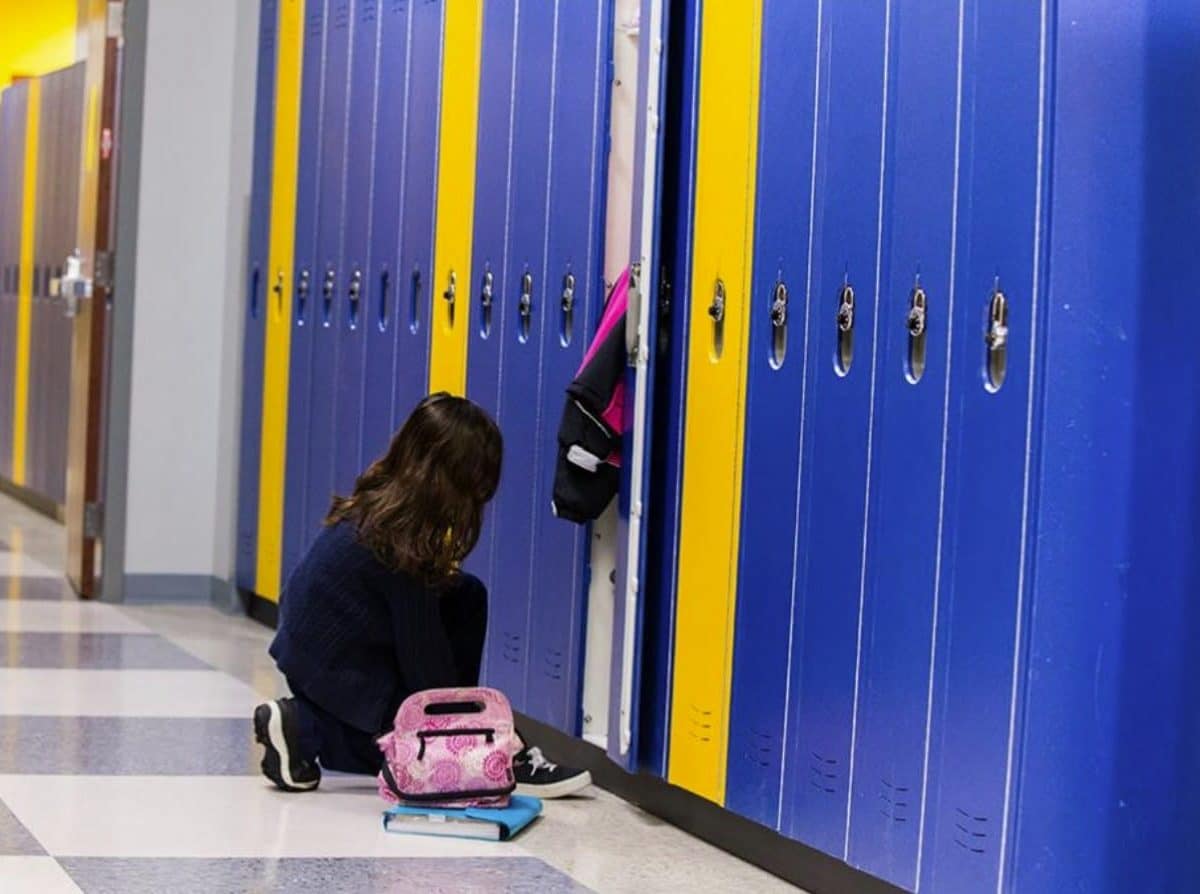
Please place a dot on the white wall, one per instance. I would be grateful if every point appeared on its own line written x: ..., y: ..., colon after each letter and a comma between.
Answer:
x: 195, y: 183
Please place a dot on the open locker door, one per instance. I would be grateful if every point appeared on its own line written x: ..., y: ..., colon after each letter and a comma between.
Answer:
x: 86, y: 289
x: 641, y: 336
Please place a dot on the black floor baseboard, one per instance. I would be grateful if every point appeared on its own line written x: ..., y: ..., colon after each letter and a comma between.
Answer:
x: 790, y: 860
x: 262, y: 610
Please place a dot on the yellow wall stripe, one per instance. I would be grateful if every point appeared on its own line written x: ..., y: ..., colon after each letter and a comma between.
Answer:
x: 727, y: 141
x: 25, y: 286
x: 285, y: 158
x: 459, y: 119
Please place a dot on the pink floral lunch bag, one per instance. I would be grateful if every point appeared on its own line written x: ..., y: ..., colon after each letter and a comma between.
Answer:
x: 450, y: 748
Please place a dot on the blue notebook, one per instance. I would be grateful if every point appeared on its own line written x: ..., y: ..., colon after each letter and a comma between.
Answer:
x: 486, y: 823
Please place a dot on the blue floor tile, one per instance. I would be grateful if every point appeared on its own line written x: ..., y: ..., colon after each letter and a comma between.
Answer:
x: 127, y: 746
x: 15, y: 840
x: 519, y: 875
x: 94, y: 651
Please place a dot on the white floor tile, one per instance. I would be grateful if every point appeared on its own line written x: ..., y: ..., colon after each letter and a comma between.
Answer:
x: 65, y: 617
x: 139, y: 816
x: 20, y: 565
x: 124, y: 693
x: 34, y: 875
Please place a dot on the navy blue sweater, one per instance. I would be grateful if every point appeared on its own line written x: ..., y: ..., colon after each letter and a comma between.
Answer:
x: 355, y: 637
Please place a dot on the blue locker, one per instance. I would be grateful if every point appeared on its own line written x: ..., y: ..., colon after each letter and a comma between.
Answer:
x: 670, y: 388
x: 358, y: 292
x: 574, y: 292
x: 984, y: 555
x: 492, y: 169
x: 380, y: 312
x: 414, y: 282
x: 307, y: 288
x: 777, y: 370
x: 906, y: 470
x: 835, y: 472
x: 1108, y: 774
x: 525, y: 295
x: 330, y: 278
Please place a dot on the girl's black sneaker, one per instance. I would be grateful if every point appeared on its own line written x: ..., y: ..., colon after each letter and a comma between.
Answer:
x: 544, y: 779
x: 276, y: 728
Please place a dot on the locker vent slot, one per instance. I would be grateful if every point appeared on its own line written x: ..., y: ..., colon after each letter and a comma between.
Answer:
x: 513, y: 646
x: 700, y: 723
x: 823, y: 774
x: 368, y: 10
x: 552, y: 664
x: 971, y: 831
x: 341, y: 14
x: 761, y: 749
x: 315, y: 24
x: 894, y: 803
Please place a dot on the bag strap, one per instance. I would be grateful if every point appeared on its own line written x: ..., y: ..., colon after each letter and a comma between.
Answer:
x: 390, y: 780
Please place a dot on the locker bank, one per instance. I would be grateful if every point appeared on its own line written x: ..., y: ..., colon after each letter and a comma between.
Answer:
x: 898, y: 583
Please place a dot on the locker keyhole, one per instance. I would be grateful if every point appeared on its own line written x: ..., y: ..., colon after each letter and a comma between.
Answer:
x: 255, y: 285
x: 525, y: 308
x: 996, y: 338
x: 486, y: 299
x: 779, y: 324
x: 354, y: 293
x: 917, y: 324
x: 385, y: 282
x: 567, y: 328
x: 328, y: 287
x: 414, y: 301
x: 303, y: 284
x: 716, y: 312
x: 450, y: 296
x: 845, y: 331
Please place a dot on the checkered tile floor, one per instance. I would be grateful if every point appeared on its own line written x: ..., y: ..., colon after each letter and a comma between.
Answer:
x: 126, y: 765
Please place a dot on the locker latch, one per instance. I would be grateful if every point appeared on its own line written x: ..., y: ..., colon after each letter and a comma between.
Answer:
x: 486, y: 293
x: 916, y: 313
x: 716, y: 310
x: 278, y: 289
x: 997, y: 332
x: 568, y: 293
x: 354, y: 292
x: 451, y: 289
x: 525, y: 305
x: 845, y: 314
x: 779, y: 306
x: 303, y: 284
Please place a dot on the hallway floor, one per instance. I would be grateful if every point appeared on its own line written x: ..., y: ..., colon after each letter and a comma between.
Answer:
x: 127, y: 766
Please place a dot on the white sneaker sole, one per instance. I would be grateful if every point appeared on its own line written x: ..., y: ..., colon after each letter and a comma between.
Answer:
x: 563, y: 789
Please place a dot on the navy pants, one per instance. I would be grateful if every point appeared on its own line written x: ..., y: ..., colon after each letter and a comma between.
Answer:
x: 338, y: 746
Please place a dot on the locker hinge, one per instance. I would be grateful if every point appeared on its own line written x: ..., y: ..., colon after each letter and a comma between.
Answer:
x: 115, y: 25
x: 102, y: 270
x: 93, y: 520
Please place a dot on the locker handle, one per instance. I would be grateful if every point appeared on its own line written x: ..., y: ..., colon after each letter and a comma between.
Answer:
x: 354, y: 293
x: 779, y: 319
x: 486, y: 299
x: 525, y: 307
x: 568, y: 310
x: 449, y: 296
x: 385, y: 281
x: 716, y: 311
x: 845, y: 330
x: 996, y: 339
x: 303, y: 284
x: 327, y: 289
x: 917, y: 325
x: 255, y: 284
x: 277, y: 288
x: 414, y: 298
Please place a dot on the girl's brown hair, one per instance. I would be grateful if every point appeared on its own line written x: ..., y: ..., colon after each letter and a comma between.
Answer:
x: 420, y: 507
